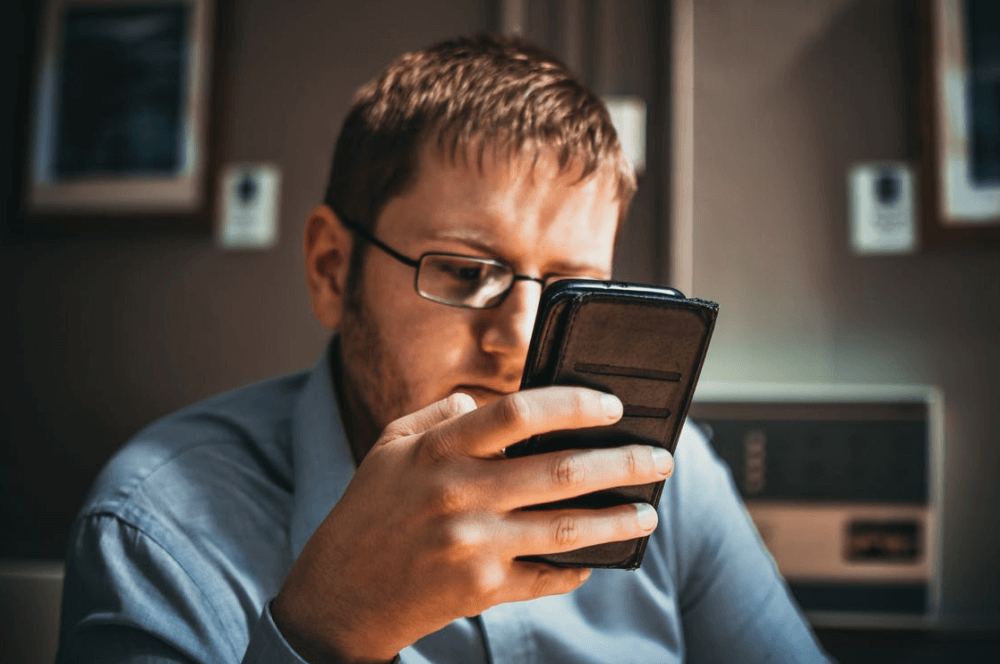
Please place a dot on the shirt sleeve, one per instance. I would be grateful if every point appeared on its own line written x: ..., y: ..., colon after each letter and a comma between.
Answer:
x: 734, y: 604
x: 128, y: 600
x: 267, y: 644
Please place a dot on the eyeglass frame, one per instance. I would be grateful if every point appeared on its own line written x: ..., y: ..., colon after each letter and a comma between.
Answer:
x: 366, y: 235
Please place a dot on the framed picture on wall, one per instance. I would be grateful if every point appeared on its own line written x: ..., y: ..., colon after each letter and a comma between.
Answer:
x: 119, y: 126
x: 960, y: 74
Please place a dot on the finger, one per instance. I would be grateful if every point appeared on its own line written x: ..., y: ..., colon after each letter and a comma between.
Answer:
x: 530, y: 580
x: 426, y: 418
x: 539, y: 532
x: 487, y: 431
x: 546, y: 478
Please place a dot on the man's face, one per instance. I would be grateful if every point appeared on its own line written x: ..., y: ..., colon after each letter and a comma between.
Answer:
x: 400, y: 351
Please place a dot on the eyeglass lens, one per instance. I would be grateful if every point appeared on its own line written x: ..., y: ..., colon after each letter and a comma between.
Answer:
x: 463, y: 281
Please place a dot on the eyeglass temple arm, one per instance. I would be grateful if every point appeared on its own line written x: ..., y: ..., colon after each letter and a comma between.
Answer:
x: 363, y: 233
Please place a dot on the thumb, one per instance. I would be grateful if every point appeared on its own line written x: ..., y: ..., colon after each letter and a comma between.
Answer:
x: 429, y: 416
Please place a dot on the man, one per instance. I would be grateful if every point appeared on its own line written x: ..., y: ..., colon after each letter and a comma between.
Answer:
x: 365, y: 510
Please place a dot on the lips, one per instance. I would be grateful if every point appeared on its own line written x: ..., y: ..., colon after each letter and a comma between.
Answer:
x: 482, y: 395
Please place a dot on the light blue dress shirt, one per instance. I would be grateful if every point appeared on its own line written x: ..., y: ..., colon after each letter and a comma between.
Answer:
x: 189, y: 531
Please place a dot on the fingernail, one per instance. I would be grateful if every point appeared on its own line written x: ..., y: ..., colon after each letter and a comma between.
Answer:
x: 647, y: 515
x: 611, y: 405
x: 663, y: 461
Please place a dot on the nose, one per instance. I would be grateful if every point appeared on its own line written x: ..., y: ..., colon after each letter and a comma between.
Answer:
x: 507, y: 328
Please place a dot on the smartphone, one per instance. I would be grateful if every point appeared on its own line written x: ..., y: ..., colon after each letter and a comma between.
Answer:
x: 645, y: 345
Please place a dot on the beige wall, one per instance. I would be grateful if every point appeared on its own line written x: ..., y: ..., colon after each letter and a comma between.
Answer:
x: 787, y: 95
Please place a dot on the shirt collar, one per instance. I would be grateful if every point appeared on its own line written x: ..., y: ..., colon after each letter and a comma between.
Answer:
x: 321, y: 454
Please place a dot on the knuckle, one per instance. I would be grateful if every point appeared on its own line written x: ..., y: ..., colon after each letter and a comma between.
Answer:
x: 566, y: 531
x: 515, y: 410
x: 548, y: 580
x: 568, y: 471
x: 630, y: 461
x: 545, y: 581
x: 581, y: 402
x: 438, y: 444
x: 487, y: 580
x: 394, y: 431
x: 461, y: 540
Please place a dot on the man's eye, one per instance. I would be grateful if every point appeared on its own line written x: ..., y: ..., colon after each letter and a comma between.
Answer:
x: 470, y: 273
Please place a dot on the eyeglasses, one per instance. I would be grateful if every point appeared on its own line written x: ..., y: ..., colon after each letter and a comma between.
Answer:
x: 454, y: 279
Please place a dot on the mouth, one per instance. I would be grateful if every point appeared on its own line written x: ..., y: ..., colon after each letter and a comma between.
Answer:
x: 482, y: 395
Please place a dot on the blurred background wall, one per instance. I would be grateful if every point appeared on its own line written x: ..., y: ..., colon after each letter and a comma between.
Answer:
x: 787, y: 96
x: 104, y: 332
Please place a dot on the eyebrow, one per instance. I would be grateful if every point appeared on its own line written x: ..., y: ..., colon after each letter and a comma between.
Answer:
x: 471, y: 238
x: 479, y: 241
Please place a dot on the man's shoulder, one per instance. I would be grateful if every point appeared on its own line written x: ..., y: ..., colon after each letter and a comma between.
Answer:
x: 191, y: 519
x: 241, y: 436
x: 701, y: 488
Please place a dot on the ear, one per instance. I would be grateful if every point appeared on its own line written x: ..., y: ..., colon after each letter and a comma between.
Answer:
x: 327, y: 246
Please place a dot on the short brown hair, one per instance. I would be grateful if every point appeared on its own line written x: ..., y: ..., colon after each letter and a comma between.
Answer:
x: 468, y: 94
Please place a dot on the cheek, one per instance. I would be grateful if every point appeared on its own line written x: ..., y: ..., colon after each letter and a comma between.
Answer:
x: 433, y: 345
x: 441, y: 344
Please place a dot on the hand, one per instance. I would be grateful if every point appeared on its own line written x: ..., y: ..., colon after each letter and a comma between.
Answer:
x: 431, y: 524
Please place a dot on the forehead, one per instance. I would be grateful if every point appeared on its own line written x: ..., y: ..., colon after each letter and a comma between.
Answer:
x: 520, y: 207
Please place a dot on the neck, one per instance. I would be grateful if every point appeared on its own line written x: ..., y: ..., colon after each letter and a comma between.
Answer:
x: 359, y: 425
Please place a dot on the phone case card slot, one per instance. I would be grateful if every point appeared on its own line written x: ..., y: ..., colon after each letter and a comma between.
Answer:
x: 633, y: 392
x: 626, y: 372
x: 646, y: 411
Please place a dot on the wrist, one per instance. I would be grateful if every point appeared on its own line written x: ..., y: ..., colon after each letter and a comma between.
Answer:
x: 312, y: 650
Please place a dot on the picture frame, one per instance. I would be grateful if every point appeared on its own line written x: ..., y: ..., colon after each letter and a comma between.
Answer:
x: 960, y: 121
x: 119, y: 130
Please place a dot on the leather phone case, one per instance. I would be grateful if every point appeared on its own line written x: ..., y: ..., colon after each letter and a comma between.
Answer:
x: 645, y: 345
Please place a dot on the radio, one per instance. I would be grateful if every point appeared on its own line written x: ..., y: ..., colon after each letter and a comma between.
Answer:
x: 844, y: 486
